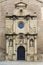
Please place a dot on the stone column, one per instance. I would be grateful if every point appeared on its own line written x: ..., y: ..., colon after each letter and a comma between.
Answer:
x: 28, y: 45
x: 14, y: 44
x: 35, y: 45
x: 7, y: 44
x: 14, y: 26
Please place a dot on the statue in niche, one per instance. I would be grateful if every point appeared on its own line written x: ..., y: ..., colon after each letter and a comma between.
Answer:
x: 21, y: 39
x: 11, y: 43
x: 31, y: 43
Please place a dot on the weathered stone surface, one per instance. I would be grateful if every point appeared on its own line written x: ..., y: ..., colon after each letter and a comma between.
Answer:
x: 7, y: 8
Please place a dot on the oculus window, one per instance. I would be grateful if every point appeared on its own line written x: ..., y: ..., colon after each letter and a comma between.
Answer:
x: 21, y: 25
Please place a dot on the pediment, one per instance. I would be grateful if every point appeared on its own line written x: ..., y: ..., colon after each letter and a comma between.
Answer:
x: 21, y: 4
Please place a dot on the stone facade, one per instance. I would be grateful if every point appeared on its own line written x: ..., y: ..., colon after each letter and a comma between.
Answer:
x: 18, y: 36
x: 20, y: 29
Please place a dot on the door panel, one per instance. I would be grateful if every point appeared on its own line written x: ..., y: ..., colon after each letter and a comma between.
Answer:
x: 21, y: 53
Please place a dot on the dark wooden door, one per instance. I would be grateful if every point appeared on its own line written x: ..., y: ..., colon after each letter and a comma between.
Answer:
x: 21, y: 53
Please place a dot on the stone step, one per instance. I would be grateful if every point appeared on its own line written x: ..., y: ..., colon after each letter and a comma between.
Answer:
x: 20, y: 63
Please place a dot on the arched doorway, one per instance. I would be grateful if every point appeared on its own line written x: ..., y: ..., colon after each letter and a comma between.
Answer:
x: 21, y: 53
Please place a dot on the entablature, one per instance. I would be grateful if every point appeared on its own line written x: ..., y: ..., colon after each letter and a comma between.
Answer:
x: 14, y: 17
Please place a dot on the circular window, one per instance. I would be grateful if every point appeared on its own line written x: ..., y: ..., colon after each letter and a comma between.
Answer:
x: 21, y: 25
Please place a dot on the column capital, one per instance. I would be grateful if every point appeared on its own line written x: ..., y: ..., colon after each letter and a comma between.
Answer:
x: 28, y: 37
x: 7, y: 37
x: 35, y: 37
x: 14, y: 37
